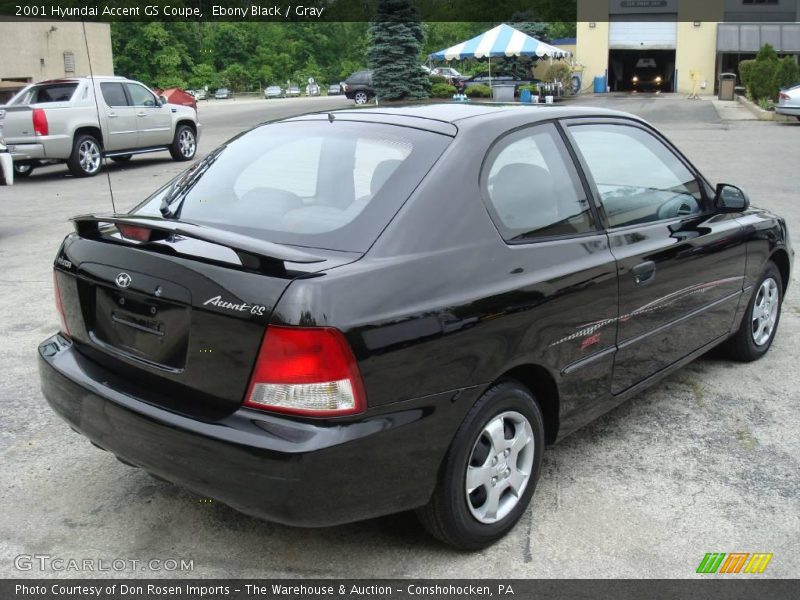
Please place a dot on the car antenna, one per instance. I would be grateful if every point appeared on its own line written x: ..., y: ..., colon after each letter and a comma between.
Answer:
x: 331, y: 118
x: 97, y: 111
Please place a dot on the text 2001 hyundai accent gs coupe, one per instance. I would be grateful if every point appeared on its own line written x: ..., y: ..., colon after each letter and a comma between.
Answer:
x: 344, y: 315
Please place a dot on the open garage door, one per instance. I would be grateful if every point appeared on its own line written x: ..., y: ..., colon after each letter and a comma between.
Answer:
x: 642, y: 53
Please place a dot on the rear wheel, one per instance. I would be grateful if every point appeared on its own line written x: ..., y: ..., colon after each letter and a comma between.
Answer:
x: 760, y: 322
x: 22, y: 170
x: 361, y: 97
x: 122, y: 159
x: 86, y: 157
x: 184, y: 146
x: 490, y: 472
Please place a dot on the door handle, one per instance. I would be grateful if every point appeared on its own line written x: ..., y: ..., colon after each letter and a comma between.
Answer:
x: 644, y: 273
x: 141, y: 114
x: 111, y: 115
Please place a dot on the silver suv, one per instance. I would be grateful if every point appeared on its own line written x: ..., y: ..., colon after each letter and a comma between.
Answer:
x: 81, y: 120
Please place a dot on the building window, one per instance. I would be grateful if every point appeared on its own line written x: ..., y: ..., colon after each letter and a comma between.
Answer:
x: 69, y: 62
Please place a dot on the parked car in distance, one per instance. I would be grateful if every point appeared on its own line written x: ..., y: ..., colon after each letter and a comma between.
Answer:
x: 57, y: 121
x: 312, y: 89
x: 358, y: 87
x: 292, y: 91
x: 789, y: 102
x: 198, y: 94
x: 646, y: 75
x: 273, y: 91
x: 408, y: 321
x: 6, y: 164
x: 447, y: 72
x: 223, y: 94
x: 425, y: 69
x: 334, y: 89
x: 486, y: 78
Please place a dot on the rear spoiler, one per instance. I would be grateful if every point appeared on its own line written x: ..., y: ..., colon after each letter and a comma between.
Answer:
x: 253, y: 253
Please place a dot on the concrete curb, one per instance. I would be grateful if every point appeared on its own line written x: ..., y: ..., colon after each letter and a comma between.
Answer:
x: 760, y: 113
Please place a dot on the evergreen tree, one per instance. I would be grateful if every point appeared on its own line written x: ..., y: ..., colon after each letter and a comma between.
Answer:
x: 396, y: 37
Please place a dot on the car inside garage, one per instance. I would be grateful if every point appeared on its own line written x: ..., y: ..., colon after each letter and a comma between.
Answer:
x: 641, y: 70
x: 642, y: 54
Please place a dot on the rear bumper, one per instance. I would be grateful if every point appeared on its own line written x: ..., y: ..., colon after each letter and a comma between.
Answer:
x: 300, y: 473
x: 788, y: 110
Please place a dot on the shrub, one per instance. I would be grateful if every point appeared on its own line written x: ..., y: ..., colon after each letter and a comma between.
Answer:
x: 762, y: 79
x: 766, y: 104
x: 560, y: 71
x: 787, y: 73
x: 533, y: 89
x: 767, y: 53
x: 479, y: 90
x: 745, y: 71
x: 442, y: 90
x: 434, y: 79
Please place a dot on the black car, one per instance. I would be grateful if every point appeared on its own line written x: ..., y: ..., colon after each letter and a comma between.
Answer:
x: 647, y: 75
x: 316, y: 353
x: 486, y: 78
x: 358, y: 87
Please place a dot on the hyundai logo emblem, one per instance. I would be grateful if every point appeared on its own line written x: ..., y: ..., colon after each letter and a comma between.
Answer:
x: 123, y: 280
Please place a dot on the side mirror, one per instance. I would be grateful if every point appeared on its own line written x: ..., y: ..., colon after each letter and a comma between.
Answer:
x: 162, y: 100
x: 730, y: 198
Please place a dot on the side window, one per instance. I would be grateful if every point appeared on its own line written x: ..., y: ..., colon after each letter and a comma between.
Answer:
x: 141, y: 96
x: 114, y: 94
x: 639, y: 179
x: 532, y: 187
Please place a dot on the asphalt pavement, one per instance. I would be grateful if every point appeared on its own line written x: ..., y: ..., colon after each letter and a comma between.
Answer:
x: 706, y: 461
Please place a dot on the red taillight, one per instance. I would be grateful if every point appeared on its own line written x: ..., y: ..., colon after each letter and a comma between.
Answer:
x: 345, y: 87
x: 138, y: 234
x: 306, y: 371
x: 59, y: 306
x: 783, y: 96
x: 40, y: 126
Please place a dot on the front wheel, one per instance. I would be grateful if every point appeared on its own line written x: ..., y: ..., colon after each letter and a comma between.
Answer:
x: 490, y: 472
x: 86, y: 157
x: 184, y: 145
x: 361, y: 97
x: 760, y: 322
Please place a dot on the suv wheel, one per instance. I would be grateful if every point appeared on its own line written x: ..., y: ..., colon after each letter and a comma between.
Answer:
x: 361, y: 97
x: 86, y: 157
x: 490, y: 472
x: 184, y: 146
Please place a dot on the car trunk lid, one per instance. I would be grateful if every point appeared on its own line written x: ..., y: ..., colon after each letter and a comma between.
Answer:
x: 189, y: 335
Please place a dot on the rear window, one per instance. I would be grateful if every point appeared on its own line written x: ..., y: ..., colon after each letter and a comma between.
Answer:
x: 310, y: 183
x: 42, y: 94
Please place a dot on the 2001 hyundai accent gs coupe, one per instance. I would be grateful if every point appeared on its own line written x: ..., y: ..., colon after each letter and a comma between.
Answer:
x: 344, y: 315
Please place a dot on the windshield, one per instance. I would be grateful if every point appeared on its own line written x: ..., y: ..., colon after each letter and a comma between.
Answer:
x: 307, y: 183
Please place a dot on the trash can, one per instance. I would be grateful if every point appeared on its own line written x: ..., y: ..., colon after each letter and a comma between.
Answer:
x: 727, y: 83
x: 503, y: 92
x: 600, y: 84
x: 525, y: 96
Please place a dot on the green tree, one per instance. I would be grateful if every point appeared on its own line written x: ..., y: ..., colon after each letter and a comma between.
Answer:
x: 396, y: 37
x: 787, y: 73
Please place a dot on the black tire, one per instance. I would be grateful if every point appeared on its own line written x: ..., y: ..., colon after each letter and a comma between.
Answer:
x: 450, y: 514
x: 122, y: 159
x: 361, y: 97
x: 23, y: 170
x: 743, y: 346
x: 184, y: 144
x: 87, y: 156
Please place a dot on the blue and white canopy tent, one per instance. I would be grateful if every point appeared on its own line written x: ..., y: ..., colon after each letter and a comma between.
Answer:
x: 501, y: 42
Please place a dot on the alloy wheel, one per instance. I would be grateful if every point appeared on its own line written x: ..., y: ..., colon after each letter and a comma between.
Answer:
x: 361, y: 98
x: 765, y: 311
x: 499, y: 467
x: 89, y: 156
x: 186, y: 143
